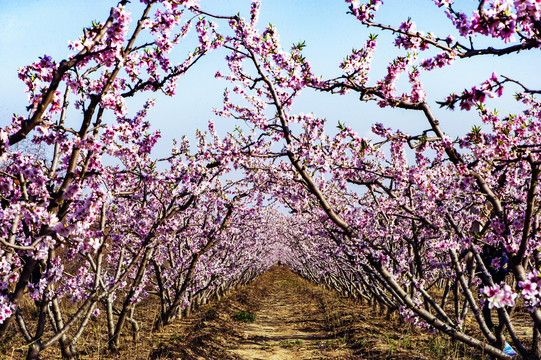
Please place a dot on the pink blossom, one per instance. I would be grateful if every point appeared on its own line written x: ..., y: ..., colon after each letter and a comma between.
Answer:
x: 499, y: 296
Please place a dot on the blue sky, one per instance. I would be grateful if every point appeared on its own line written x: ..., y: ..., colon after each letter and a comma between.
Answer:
x: 31, y: 28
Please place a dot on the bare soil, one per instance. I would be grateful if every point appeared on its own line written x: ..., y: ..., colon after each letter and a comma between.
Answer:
x: 294, y: 319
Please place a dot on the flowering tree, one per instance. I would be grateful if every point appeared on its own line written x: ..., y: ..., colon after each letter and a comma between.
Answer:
x: 98, y: 225
x: 467, y: 206
x: 388, y: 220
x: 57, y: 212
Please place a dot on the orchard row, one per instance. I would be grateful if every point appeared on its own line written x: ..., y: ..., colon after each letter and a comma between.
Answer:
x: 446, y: 232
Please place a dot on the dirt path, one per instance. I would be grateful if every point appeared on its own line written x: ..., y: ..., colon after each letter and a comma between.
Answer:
x: 288, y: 326
x: 295, y: 319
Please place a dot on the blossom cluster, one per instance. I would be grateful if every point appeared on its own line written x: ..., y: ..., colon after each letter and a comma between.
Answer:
x: 364, y: 12
x: 490, y: 88
x: 356, y: 66
x: 530, y: 290
x: 499, y: 295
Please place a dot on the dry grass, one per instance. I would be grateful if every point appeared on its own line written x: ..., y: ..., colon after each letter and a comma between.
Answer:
x: 345, y: 329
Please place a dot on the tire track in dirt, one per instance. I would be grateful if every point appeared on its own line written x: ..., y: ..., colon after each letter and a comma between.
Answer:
x: 289, y: 325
